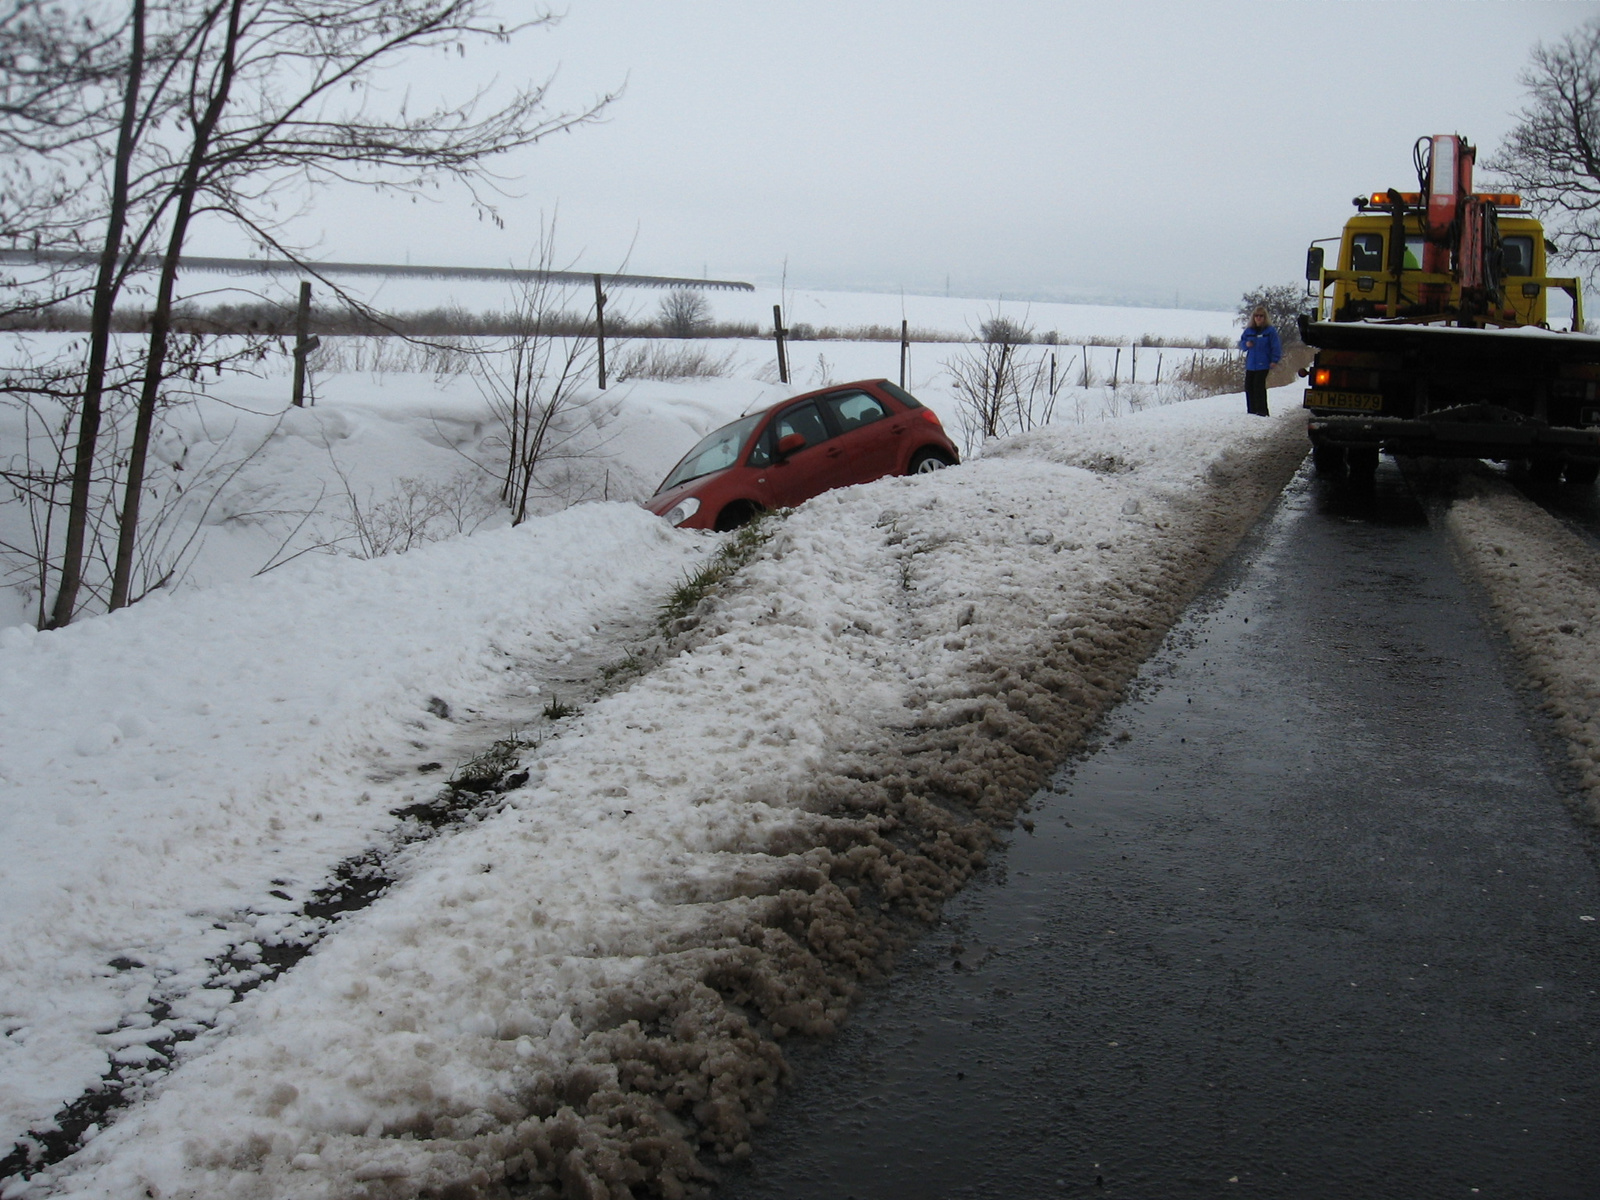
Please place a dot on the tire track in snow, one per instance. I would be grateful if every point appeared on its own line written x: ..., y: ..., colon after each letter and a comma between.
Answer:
x: 269, y: 944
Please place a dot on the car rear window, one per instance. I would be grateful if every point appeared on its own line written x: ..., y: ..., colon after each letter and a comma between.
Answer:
x: 900, y: 394
x: 715, y: 452
x: 851, y: 410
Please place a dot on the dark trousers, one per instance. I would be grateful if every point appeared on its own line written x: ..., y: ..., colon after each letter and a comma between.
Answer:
x: 1255, y: 393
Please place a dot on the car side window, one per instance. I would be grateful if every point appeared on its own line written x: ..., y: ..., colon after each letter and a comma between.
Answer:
x: 851, y: 410
x: 804, y: 419
x: 1366, y: 252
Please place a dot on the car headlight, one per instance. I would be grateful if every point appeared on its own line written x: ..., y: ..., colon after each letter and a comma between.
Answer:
x: 681, y: 511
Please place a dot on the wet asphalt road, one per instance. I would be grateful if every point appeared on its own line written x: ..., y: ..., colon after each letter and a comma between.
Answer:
x: 1312, y: 928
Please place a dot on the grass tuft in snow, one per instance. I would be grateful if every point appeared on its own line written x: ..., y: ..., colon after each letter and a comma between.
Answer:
x: 733, y: 555
x: 495, y: 770
x: 629, y: 664
x: 556, y: 710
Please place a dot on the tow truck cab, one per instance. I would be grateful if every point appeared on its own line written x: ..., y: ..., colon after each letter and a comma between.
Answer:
x: 1410, y: 362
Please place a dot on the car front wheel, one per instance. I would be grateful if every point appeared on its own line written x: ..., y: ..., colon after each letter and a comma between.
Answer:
x: 737, y: 515
x: 924, y: 461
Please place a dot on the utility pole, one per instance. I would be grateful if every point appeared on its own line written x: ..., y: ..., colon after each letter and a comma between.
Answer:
x: 600, y: 329
x: 778, y: 334
x: 303, y: 343
x: 905, y: 348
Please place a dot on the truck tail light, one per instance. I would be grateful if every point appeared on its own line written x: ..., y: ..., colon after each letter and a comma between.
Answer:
x: 1321, y: 377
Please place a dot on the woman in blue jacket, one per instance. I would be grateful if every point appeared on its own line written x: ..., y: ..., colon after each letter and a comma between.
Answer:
x: 1262, y: 347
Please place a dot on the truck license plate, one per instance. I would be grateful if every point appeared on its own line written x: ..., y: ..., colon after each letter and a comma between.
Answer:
x: 1365, y: 401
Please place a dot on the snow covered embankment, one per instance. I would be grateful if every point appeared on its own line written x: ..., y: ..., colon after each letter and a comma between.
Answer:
x: 581, y: 994
x: 179, y: 778
x: 1543, y: 581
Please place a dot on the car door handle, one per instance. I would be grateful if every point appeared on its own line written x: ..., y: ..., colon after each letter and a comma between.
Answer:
x: 898, y: 427
x: 834, y: 451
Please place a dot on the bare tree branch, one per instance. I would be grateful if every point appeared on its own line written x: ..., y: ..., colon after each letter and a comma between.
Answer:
x: 1552, y: 156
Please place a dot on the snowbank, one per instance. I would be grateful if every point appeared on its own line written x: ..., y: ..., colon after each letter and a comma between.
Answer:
x: 584, y: 990
x: 183, y: 772
x: 1544, y: 584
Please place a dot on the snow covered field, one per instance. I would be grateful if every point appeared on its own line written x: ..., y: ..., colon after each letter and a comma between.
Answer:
x: 581, y: 981
x: 955, y: 315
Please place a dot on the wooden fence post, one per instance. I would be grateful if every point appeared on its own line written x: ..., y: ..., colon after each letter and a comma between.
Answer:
x: 905, y: 348
x: 1116, y: 368
x: 1085, y: 350
x: 303, y: 344
x: 778, y: 332
x: 1159, y: 357
x: 600, y: 329
x: 1134, y: 376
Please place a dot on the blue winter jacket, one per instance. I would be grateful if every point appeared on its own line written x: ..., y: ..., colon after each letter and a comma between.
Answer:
x: 1262, y: 347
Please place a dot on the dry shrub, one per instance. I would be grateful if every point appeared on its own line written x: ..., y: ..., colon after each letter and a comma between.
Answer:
x: 685, y: 361
x: 1204, y: 375
x: 417, y: 512
x: 390, y: 355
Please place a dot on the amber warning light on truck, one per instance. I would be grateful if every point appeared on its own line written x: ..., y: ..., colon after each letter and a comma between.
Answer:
x: 1414, y: 199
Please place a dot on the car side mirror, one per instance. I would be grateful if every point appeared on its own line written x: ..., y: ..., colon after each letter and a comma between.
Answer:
x: 1314, y: 264
x: 789, y: 443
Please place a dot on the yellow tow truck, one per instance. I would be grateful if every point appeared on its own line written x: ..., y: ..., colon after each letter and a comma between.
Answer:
x: 1433, y: 335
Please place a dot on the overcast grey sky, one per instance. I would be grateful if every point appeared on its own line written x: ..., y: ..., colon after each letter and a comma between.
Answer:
x: 1143, y: 150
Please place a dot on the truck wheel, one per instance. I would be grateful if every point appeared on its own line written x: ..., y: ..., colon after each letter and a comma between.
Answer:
x: 1583, y: 474
x: 1327, y: 460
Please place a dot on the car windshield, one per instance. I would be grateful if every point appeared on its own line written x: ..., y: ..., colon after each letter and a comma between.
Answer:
x: 715, y: 452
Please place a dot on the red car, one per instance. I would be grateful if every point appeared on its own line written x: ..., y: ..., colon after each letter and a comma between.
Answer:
x: 799, y: 448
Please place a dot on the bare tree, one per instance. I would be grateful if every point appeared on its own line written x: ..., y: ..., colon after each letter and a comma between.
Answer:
x: 535, y: 385
x: 273, y: 97
x: 56, y: 63
x: 1552, y: 156
x: 684, y: 312
x: 1283, y: 302
x: 1000, y: 388
x: 109, y: 277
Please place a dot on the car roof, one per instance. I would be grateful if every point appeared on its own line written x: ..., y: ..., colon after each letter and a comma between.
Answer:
x: 832, y: 387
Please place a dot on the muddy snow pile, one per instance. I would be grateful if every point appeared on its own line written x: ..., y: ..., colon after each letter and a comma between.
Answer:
x: 584, y: 991
x: 1544, y: 583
